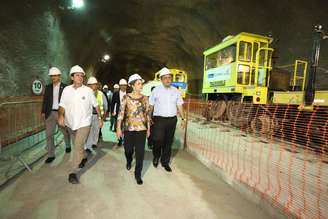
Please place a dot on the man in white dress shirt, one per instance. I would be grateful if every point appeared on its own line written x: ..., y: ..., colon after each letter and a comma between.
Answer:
x: 75, y: 112
x: 165, y: 101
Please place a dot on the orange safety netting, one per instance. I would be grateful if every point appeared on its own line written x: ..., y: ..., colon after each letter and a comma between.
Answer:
x: 276, y: 150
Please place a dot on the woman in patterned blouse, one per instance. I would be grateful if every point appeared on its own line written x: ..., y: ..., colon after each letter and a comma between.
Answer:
x: 134, y: 115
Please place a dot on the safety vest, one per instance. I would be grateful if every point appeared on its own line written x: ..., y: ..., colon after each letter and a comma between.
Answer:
x: 99, y: 98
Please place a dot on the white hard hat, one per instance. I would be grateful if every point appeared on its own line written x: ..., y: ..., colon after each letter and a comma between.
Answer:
x: 105, y: 86
x: 116, y: 86
x: 54, y: 71
x: 92, y: 80
x: 76, y: 69
x: 135, y: 77
x: 123, y: 82
x: 164, y: 71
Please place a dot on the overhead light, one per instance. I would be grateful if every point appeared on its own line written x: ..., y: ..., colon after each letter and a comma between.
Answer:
x: 77, y: 3
x: 105, y: 58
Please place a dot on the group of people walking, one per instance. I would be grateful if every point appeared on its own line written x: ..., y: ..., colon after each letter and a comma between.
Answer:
x: 80, y: 111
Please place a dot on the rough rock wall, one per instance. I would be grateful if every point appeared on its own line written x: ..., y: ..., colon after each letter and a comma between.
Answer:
x: 31, y: 41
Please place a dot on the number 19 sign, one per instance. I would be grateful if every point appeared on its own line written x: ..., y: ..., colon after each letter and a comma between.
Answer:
x: 37, y: 87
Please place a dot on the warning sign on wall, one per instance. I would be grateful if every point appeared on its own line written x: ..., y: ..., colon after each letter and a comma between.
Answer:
x: 37, y: 87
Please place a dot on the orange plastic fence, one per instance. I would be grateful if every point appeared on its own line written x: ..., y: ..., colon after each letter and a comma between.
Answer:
x: 276, y: 150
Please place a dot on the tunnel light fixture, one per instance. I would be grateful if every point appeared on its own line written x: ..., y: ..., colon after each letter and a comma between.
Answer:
x: 105, y: 58
x: 77, y: 4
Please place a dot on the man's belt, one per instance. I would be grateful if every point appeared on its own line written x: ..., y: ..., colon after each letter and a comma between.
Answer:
x: 163, y: 117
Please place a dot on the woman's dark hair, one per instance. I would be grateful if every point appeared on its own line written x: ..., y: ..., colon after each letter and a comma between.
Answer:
x: 133, y: 82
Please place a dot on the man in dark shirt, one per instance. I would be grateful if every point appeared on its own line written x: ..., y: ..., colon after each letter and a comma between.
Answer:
x: 49, y: 112
x: 116, y: 103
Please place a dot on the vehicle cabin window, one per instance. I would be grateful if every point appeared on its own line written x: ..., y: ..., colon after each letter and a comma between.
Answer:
x: 245, y: 55
x: 245, y: 51
x: 179, y: 78
x: 222, y: 57
x: 263, y: 54
x: 255, y: 48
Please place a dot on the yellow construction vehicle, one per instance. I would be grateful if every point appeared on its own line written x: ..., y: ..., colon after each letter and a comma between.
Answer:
x: 239, y: 76
x: 240, y: 68
x: 179, y: 80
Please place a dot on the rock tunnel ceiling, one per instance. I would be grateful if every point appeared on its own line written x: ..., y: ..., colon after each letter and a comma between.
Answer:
x: 144, y: 35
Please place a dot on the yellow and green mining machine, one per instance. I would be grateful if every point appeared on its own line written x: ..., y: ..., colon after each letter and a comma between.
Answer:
x: 240, y: 68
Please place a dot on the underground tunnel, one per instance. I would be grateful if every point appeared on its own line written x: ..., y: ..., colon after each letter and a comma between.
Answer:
x: 143, y: 36
x: 258, y: 149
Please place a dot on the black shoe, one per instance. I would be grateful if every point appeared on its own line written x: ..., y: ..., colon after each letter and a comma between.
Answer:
x: 72, y: 178
x: 155, y: 162
x: 88, y: 151
x: 68, y: 150
x: 50, y: 159
x: 94, y: 146
x: 139, y: 181
x: 82, y: 164
x: 128, y: 165
x: 167, y: 168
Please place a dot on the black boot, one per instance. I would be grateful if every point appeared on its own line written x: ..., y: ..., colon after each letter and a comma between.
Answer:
x: 50, y: 159
x: 139, y: 180
x: 155, y: 162
x: 128, y: 165
x: 72, y: 178
x: 82, y: 164
x: 167, y: 168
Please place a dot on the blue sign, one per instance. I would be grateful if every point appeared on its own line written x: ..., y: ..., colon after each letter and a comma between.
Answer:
x: 183, y: 85
x: 221, y: 73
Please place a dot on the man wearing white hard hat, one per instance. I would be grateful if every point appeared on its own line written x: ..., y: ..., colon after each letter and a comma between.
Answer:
x: 103, y: 106
x: 116, y: 88
x: 75, y: 112
x: 108, y: 93
x: 116, y: 103
x: 51, y: 99
x: 113, y: 117
x: 165, y: 101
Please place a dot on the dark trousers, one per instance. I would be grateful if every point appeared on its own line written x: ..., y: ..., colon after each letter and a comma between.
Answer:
x: 113, y: 123
x: 134, y: 141
x: 150, y: 138
x: 163, y: 135
x: 100, y: 134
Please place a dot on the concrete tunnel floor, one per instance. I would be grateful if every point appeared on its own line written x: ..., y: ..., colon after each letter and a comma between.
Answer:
x: 108, y: 190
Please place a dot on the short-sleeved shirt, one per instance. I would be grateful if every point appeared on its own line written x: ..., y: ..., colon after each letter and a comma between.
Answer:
x: 165, y: 101
x: 134, y: 113
x: 78, y: 104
